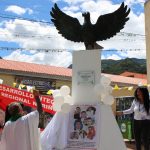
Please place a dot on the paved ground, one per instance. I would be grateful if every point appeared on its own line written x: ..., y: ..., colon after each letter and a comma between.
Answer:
x: 130, y: 145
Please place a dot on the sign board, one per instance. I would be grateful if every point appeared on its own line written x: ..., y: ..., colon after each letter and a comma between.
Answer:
x: 41, y: 84
x: 9, y: 94
x: 86, y: 77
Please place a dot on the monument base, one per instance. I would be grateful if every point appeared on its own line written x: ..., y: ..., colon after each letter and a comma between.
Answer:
x: 101, y: 129
x: 55, y: 136
x: 110, y: 135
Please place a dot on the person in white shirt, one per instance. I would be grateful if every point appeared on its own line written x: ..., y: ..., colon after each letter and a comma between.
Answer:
x: 21, y: 132
x: 141, y: 109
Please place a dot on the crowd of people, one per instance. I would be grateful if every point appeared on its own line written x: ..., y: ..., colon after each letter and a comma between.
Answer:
x: 19, y: 127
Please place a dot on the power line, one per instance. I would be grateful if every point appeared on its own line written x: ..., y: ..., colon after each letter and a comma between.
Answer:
x: 22, y: 18
x: 128, y: 36
x: 29, y: 36
x: 52, y: 37
x: 2, y: 15
x: 31, y: 49
x: 138, y: 49
x: 60, y: 50
x: 30, y: 25
x: 33, y: 20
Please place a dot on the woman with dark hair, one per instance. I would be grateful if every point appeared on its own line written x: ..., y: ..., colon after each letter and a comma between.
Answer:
x: 7, y: 114
x: 141, y: 109
x: 21, y: 131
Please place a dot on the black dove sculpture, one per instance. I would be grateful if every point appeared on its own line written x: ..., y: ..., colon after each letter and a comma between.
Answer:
x: 106, y: 26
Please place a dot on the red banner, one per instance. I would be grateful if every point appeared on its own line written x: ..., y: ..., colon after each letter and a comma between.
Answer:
x: 9, y: 94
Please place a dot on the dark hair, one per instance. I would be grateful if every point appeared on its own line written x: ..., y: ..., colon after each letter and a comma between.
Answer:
x: 91, y: 127
x: 7, y: 114
x: 83, y: 111
x: 14, y: 108
x: 78, y: 108
x: 22, y: 104
x: 27, y: 109
x: 91, y: 108
x: 145, y: 93
x: 76, y: 121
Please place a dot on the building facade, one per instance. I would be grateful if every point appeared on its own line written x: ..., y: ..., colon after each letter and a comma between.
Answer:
x: 45, y: 77
x: 41, y: 76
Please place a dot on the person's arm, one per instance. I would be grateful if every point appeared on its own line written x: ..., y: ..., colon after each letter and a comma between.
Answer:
x: 38, y: 102
x: 128, y: 111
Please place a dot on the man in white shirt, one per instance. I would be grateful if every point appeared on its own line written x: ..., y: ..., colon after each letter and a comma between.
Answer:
x: 21, y: 132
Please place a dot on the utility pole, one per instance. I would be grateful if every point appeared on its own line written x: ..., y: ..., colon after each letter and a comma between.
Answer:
x: 147, y: 33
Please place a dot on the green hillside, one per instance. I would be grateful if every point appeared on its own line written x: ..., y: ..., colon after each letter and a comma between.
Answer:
x: 119, y: 66
x: 128, y: 64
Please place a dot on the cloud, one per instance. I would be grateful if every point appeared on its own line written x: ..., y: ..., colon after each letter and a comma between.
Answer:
x: 134, y: 54
x: 18, y: 10
x: 36, y: 36
x: 48, y: 58
x: 74, y: 2
x: 132, y: 2
x: 113, y: 56
x: 72, y: 8
x: 54, y: 1
x: 31, y: 35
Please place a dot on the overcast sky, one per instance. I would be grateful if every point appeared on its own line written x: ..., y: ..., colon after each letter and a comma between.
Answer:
x: 27, y: 25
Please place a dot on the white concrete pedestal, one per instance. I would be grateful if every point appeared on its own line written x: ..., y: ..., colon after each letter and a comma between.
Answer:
x: 86, y: 68
x: 87, y: 73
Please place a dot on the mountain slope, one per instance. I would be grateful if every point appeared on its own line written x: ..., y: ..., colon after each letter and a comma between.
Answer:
x: 119, y: 66
x: 128, y: 64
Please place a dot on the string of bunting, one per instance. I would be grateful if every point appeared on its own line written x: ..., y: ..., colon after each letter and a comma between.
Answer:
x: 22, y: 18
x: 116, y: 87
x: 6, y: 16
x: 129, y: 36
x: 39, y: 50
x: 29, y: 88
x: 129, y: 88
x: 59, y: 50
x: 29, y: 36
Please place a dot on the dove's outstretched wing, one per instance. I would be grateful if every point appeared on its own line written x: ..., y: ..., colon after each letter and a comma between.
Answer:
x: 67, y: 26
x: 109, y: 24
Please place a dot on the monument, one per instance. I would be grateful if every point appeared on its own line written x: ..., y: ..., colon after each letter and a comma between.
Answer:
x: 89, y: 124
x: 106, y: 26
